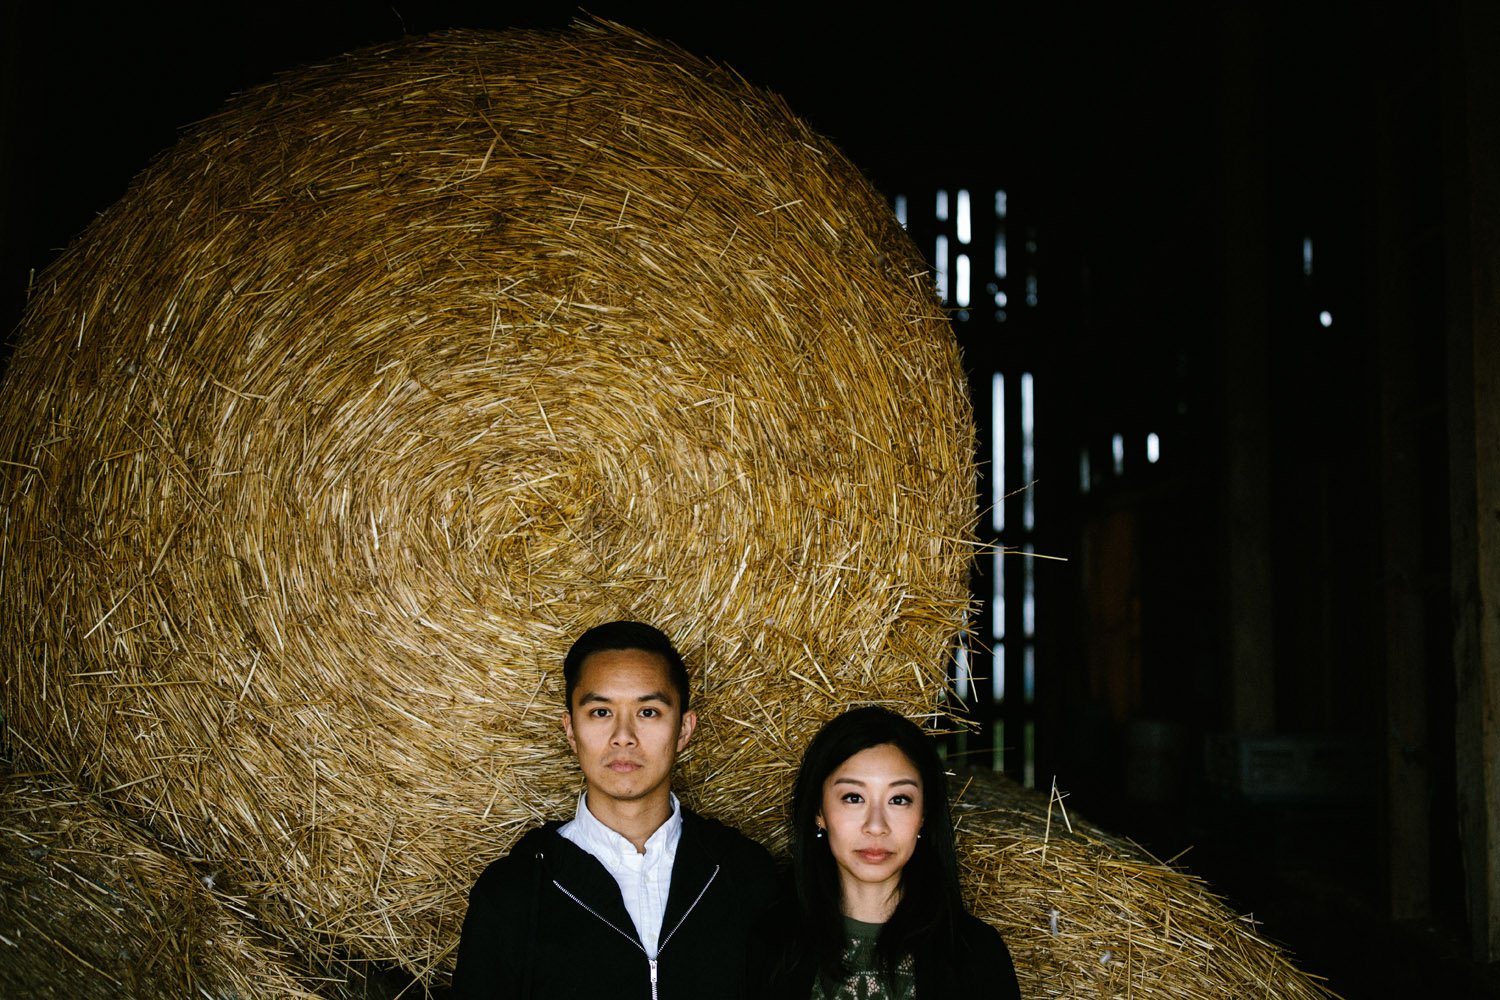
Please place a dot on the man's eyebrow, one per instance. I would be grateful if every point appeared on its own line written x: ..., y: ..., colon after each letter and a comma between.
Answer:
x: 589, y: 697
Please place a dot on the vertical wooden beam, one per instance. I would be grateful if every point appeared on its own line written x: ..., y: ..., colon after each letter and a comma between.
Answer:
x: 1246, y: 380
x: 1474, y: 430
x: 1401, y: 337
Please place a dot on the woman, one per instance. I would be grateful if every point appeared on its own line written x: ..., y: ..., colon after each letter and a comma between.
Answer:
x: 877, y: 912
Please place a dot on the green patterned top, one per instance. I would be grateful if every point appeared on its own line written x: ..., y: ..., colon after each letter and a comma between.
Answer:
x: 866, y: 980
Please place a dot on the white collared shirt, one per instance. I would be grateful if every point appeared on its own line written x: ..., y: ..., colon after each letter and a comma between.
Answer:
x: 644, y: 879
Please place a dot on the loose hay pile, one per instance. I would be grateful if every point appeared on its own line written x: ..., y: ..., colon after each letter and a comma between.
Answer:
x: 90, y: 908
x: 1086, y: 914
x: 382, y: 384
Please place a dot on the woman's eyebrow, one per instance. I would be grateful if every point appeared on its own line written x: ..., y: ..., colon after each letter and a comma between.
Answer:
x: 861, y: 783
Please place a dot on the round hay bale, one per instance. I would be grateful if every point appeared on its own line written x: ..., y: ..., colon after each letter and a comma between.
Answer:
x: 92, y: 909
x: 1089, y: 914
x: 320, y: 446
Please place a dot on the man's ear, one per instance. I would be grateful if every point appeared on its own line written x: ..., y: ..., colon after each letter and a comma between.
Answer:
x: 685, y: 729
x: 568, y: 729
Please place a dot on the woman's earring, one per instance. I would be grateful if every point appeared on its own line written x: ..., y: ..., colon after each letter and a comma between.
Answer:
x: 820, y: 833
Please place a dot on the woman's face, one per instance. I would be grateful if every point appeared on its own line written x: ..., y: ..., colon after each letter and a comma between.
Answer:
x: 872, y: 812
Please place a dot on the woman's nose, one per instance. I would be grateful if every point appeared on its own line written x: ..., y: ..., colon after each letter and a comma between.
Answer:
x: 875, y: 819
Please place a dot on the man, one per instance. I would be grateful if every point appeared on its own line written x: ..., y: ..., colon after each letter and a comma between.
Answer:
x: 635, y: 896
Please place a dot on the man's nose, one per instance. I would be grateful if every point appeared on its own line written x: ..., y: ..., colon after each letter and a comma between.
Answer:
x: 624, y: 732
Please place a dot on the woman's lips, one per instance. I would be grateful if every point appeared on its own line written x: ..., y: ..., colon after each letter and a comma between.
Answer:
x: 874, y: 855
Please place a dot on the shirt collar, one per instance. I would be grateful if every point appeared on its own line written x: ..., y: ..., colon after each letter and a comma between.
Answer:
x: 601, y: 839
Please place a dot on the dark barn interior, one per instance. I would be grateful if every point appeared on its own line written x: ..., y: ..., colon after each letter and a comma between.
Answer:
x: 1227, y: 281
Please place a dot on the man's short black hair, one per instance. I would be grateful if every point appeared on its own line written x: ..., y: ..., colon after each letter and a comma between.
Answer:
x: 624, y: 635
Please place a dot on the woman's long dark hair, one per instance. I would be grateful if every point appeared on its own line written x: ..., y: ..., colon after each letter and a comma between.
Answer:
x: 926, y: 914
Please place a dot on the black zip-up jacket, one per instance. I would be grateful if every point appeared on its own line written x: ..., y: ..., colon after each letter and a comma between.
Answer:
x: 547, y: 921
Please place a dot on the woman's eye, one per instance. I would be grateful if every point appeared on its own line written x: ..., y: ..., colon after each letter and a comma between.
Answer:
x: 900, y: 800
x: 853, y: 798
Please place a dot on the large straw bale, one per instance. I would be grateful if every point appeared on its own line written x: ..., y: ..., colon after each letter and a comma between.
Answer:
x: 386, y: 381
x: 1088, y: 914
x: 91, y: 907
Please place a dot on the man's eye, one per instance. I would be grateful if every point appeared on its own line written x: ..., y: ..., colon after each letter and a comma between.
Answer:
x: 599, y: 713
x: 650, y: 713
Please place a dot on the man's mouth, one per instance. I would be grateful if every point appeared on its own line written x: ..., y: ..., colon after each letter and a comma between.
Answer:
x: 623, y: 766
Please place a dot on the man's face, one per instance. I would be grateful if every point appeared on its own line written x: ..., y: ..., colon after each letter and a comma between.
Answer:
x: 626, y: 726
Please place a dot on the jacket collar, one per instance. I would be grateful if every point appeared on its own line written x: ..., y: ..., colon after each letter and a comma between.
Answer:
x: 694, y: 867
x: 581, y: 874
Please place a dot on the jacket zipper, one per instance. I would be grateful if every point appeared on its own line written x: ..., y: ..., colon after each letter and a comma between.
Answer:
x: 663, y: 943
x: 711, y: 876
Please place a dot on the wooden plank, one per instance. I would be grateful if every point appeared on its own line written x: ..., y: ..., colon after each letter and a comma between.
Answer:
x: 1403, y: 619
x: 1246, y: 379
x: 1474, y: 425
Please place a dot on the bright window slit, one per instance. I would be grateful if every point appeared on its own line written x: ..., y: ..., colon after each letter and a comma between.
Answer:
x: 997, y: 624
x: 1028, y: 591
x: 963, y: 680
x: 1028, y: 452
x: 940, y: 266
x: 1028, y: 673
x: 999, y: 685
x: 997, y: 458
